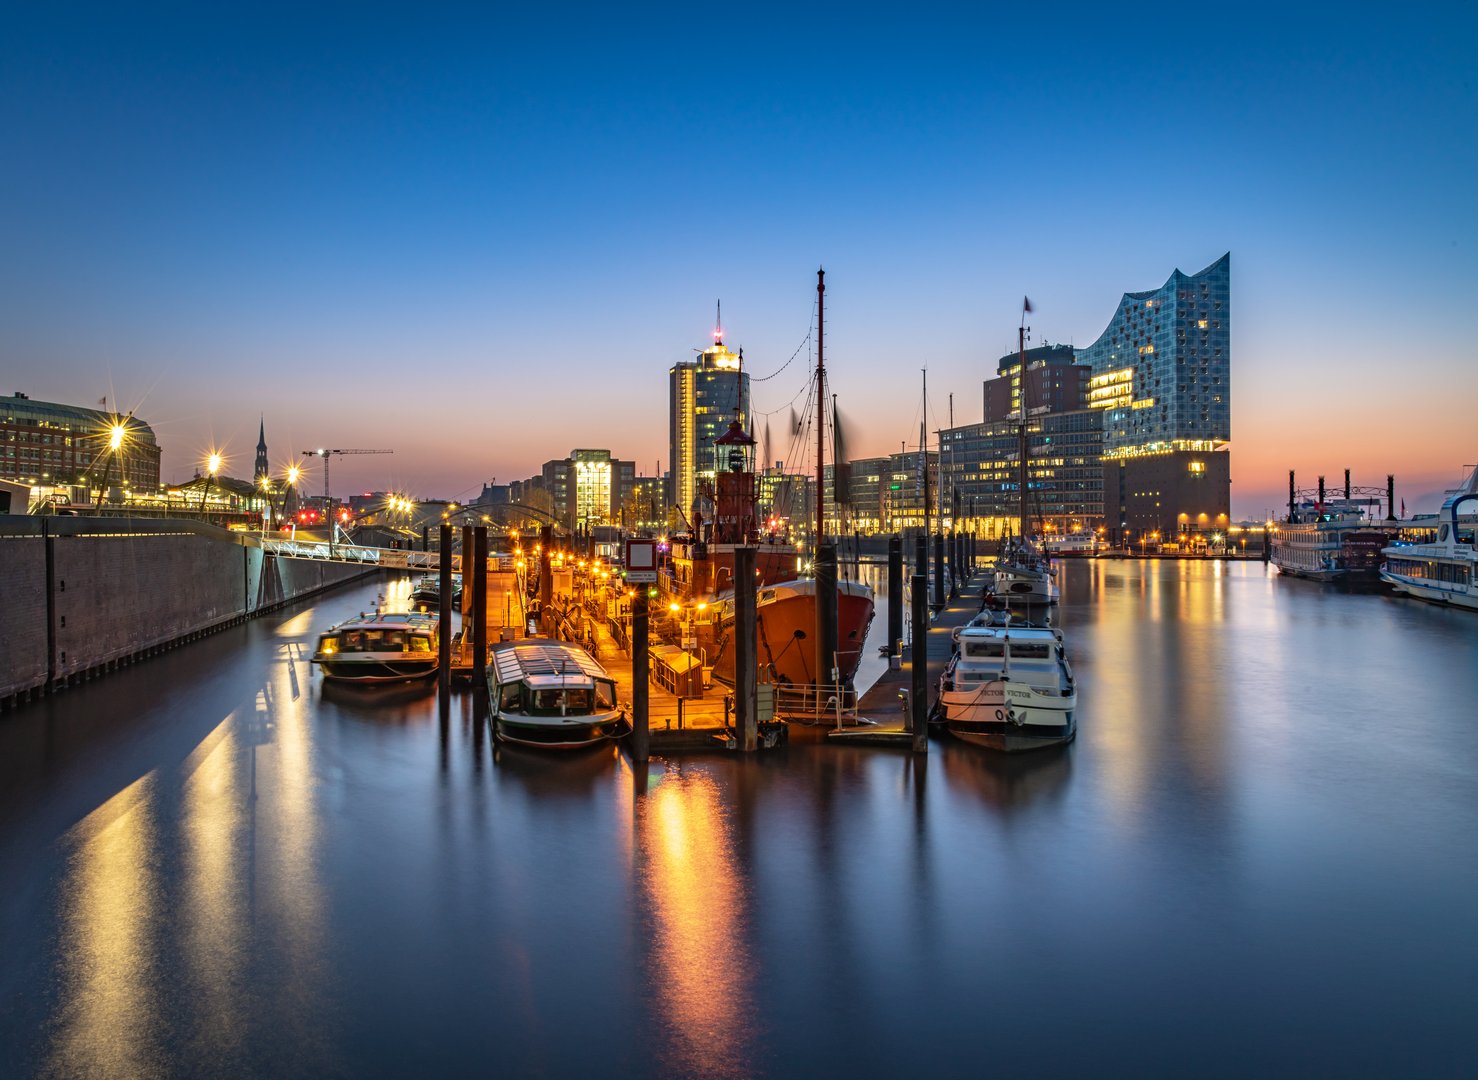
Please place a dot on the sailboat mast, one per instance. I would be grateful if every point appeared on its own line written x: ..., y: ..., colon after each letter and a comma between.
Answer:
x: 924, y: 449
x: 1021, y: 442
x: 820, y: 408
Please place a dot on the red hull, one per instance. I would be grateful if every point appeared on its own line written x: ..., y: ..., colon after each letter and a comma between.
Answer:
x: 785, y: 618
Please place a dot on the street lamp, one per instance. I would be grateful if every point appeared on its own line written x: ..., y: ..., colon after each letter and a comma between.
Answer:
x: 117, y: 432
x: 212, y: 466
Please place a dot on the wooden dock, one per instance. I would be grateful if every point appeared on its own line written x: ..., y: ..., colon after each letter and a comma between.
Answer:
x: 683, y: 725
x: 884, y: 703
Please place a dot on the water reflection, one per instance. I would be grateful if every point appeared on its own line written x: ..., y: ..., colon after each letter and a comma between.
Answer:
x: 700, y: 973
x: 216, y: 930
x: 1004, y: 782
x: 198, y: 884
x: 108, y: 1021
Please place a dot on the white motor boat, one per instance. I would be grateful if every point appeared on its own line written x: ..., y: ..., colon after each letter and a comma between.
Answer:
x: 1009, y: 686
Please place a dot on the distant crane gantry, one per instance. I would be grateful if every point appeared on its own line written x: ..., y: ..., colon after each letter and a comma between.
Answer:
x: 321, y: 453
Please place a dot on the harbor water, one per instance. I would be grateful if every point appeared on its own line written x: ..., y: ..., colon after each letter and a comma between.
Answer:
x: 1257, y: 858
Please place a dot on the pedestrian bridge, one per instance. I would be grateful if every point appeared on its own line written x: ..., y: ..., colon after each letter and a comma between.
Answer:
x: 362, y: 555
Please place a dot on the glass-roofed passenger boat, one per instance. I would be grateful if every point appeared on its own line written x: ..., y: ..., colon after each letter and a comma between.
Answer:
x: 379, y: 647
x: 552, y: 695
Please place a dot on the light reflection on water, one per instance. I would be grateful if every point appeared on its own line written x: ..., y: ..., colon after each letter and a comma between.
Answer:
x: 1264, y: 825
x: 700, y: 971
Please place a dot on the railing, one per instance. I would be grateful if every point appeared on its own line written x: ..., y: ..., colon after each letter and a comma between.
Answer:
x: 390, y: 558
x: 823, y: 703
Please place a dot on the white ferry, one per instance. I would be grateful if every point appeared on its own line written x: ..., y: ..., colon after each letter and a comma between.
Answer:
x: 1446, y: 570
x: 1009, y: 686
x: 552, y: 695
x: 380, y: 647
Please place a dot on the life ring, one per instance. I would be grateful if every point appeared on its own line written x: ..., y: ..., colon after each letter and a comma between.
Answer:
x: 1000, y: 715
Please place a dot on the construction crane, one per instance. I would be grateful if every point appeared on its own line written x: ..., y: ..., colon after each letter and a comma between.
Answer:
x: 320, y: 453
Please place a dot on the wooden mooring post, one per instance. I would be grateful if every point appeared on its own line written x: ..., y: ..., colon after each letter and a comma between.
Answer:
x: 919, y: 694
x: 895, y: 596
x: 641, y: 736
x: 746, y: 661
x: 479, y: 568
x: 444, y: 607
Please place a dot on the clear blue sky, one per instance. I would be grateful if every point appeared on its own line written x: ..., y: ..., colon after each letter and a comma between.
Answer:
x: 212, y: 214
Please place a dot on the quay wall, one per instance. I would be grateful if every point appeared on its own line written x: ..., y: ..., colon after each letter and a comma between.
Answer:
x: 79, y: 596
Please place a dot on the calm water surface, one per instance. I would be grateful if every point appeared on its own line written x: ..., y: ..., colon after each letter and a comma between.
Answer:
x: 1258, y: 857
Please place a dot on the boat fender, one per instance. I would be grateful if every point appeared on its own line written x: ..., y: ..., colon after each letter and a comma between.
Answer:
x: 1017, y: 720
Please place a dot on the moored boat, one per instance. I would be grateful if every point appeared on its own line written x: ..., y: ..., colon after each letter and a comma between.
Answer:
x: 379, y: 647
x: 552, y: 695
x: 426, y: 593
x: 1330, y: 539
x: 785, y: 619
x: 1444, y: 571
x: 1008, y: 686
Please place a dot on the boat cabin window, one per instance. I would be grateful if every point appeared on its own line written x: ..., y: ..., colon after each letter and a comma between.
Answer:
x: 561, y: 702
x: 362, y: 641
x: 605, y: 694
x: 510, y: 697
x: 1024, y: 651
x: 394, y: 639
x: 984, y: 648
x: 420, y: 643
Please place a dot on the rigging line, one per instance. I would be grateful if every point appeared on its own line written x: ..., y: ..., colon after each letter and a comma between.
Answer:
x: 772, y: 412
x: 804, y: 342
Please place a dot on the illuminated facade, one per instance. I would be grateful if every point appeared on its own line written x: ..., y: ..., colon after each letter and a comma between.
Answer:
x: 1161, y: 376
x: 703, y: 396
x: 44, y: 443
x: 584, y: 490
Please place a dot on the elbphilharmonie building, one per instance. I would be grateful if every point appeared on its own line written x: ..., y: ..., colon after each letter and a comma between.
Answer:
x: 1161, y: 374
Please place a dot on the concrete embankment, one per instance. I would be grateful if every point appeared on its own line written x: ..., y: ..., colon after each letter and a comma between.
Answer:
x: 82, y: 595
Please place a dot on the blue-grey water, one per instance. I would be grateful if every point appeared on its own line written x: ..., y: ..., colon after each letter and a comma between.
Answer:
x: 1259, y: 857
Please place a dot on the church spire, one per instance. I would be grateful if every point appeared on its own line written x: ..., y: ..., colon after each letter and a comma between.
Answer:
x: 262, y: 468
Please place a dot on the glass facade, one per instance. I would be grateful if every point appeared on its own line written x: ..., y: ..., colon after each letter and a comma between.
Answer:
x: 1161, y: 371
x: 703, y: 396
x: 1064, y: 474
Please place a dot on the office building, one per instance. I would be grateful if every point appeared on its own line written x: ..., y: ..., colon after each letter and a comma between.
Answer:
x: 703, y: 396
x: 982, y: 474
x: 45, y: 443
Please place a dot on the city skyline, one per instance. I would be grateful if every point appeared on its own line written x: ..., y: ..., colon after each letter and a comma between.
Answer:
x: 216, y: 220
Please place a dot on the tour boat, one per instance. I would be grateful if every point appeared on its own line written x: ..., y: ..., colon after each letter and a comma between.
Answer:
x: 552, y: 695
x: 1446, y: 570
x: 1332, y: 540
x: 1008, y: 686
x: 379, y: 647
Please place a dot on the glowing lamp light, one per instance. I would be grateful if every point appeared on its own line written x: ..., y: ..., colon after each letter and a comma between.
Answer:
x: 213, y: 463
x: 115, y: 436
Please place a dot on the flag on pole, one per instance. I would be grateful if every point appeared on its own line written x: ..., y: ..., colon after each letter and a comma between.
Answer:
x: 1403, y: 507
x: 103, y: 402
x: 1026, y: 306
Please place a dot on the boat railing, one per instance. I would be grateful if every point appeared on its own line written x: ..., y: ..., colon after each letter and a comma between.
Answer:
x: 818, y: 702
